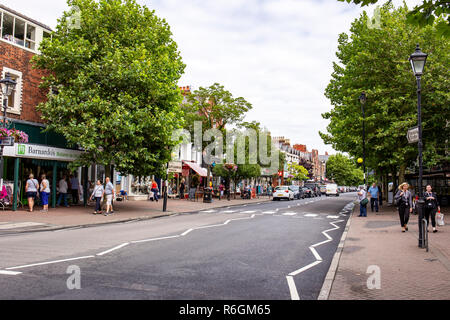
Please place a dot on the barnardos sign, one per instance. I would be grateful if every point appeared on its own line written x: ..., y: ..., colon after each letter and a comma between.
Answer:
x: 45, y: 152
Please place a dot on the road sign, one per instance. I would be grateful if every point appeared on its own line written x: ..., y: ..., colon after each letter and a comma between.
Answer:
x: 413, y: 135
x: 7, y: 141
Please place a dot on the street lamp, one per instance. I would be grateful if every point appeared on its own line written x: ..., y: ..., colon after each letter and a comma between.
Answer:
x: 362, y: 100
x: 418, y: 60
x: 8, y: 86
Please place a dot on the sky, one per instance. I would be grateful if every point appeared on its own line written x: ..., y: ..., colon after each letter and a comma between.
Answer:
x: 277, y: 54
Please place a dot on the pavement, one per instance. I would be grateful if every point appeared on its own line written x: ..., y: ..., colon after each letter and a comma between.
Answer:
x: 278, y: 250
x: 376, y: 251
x: 79, y: 216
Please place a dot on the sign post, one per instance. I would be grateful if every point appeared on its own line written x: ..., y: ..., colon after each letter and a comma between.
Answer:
x: 413, y: 135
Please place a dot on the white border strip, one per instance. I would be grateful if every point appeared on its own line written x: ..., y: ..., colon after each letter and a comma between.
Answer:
x: 49, y: 262
x: 113, y: 249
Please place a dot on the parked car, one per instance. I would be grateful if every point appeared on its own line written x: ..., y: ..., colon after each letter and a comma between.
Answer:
x: 308, y: 193
x: 298, y: 192
x: 283, y: 192
x: 315, y: 187
x: 332, y: 190
x: 323, y: 189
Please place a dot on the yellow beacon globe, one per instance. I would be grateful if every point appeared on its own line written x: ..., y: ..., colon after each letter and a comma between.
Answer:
x: 360, y: 160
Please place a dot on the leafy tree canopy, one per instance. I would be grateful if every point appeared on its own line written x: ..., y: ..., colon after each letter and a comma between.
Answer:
x: 425, y: 14
x: 116, y: 77
x: 343, y: 171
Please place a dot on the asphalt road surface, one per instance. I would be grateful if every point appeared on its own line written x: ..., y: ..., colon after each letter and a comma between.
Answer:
x: 278, y: 250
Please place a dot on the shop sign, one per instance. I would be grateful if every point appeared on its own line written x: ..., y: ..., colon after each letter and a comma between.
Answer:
x: 175, y: 167
x: 44, y: 152
x: 7, y: 141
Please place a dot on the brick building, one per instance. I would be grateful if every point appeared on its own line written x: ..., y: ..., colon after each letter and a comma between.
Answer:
x: 45, y: 152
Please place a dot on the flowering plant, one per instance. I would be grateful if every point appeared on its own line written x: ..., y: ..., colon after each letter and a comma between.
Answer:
x: 19, y: 136
x: 231, y: 167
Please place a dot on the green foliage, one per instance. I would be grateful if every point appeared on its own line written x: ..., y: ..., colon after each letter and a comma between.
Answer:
x: 343, y: 171
x: 425, y: 14
x: 376, y: 61
x: 116, y: 78
x: 299, y: 172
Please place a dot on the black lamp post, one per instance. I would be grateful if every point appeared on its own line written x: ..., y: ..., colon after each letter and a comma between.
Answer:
x: 363, y: 99
x: 418, y: 60
x: 8, y: 86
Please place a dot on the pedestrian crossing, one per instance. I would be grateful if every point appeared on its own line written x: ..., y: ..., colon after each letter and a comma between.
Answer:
x: 275, y: 213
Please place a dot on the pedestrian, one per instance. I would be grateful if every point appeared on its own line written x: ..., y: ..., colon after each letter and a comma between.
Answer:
x: 431, y: 206
x: 182, y: 188
x: 155, y: 190
x: 74, y: 189
x: 97, y: 193
x: 110, y: 196
x: 31, y: 190
x: 374, y: 193
x: 62, y: 187
x: 221, y: 190
x: 362, y: 197
x: 45, y: 192
x: 403, y: 200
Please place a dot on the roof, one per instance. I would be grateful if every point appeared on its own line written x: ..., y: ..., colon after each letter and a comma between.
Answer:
x: 25, y: 17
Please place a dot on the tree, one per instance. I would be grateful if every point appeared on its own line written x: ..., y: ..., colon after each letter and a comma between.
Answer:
x: 424, y: 14
x: 116, y: 82
x: 375, y: 61
x: 343, y: 171
x: 215, y: 108
x: 299, y: 172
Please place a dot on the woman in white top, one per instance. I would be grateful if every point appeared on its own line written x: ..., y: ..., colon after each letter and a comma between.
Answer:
x: 45, y: 192
x: 31, y: 189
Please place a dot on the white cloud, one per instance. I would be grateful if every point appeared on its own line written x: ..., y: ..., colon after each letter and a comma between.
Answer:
x: 277, y: 54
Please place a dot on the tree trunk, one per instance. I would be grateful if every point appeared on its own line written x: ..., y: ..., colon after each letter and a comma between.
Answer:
x: 401, y: 173
x: 108, y: 171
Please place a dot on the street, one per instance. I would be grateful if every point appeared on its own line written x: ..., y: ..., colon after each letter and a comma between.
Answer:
x: 277, y: 250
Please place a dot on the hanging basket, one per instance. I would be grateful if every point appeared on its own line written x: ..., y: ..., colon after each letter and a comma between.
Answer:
x: 19, y: 136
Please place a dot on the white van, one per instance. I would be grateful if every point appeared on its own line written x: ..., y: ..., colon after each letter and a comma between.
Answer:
x: 332, y: 190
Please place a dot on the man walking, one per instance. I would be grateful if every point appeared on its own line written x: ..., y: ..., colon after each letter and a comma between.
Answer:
x: 75, y: 189
x: 62, y: 192
x: 110, y: 195
x: 374, y: 193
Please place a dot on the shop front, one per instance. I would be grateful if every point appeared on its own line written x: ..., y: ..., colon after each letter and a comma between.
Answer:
x: 22, y: 159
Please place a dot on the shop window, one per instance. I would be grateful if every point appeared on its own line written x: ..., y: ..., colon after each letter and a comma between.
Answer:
x: 15, y: 99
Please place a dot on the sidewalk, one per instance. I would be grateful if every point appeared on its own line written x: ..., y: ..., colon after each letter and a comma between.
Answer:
x: 407, y: 272
x: 75, y: 216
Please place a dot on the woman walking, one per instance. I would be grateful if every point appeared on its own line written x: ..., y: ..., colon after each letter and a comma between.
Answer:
x: 431, y: 206
x: 45, y: 192
x: 182, y: 188
x: 155, y: 190
x: 98, y: 195
x: 403, y: 200
x: 31, y: 190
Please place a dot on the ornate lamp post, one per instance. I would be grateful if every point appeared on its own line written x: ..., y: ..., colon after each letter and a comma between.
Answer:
x: 362, y: 100
x: 418, y: 60
x: 8, y: 86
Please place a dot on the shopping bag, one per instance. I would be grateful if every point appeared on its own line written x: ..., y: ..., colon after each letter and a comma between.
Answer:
x: 440, y: 219
x: 151, y: 195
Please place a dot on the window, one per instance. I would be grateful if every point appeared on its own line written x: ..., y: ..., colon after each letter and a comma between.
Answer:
x: 31, y: 37
x: 15, y: 99
x: 8, y: 27
x: 19, y: 32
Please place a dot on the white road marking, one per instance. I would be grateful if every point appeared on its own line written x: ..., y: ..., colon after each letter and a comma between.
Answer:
x: 292, y: 288
x: 289, y: 213
x: 248, y: 212
x: 186, y: 232
x: 49, y: 262
x: 10, y: 273
x: 332, y: 217
x: 155, y: 239
x: 268, y: 212
x: 311, y: 215
x: 113, y: 249
x: 208, y: 211
x: 229, y: 211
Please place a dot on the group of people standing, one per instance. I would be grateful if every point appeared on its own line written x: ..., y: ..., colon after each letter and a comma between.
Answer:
x: 404, y: 201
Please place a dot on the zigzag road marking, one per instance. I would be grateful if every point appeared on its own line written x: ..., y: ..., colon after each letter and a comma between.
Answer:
x: 291, y: 283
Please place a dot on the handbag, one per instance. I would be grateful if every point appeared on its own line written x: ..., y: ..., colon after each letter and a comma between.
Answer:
x: 364, y: 202
x: 440, y: 219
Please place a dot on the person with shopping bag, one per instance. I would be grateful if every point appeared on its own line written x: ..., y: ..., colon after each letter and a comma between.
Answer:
x: 431, y: 207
